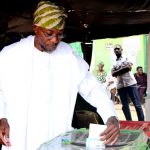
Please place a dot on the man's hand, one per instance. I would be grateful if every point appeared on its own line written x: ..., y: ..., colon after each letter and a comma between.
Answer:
x: 4, y: 132
x: 112, y: 132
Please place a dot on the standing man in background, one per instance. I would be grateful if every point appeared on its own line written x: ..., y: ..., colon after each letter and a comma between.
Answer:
x: 126, y: 84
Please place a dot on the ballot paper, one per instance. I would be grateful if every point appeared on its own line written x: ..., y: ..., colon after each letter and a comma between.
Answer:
x: 93, y: 142
x: 95, y: 130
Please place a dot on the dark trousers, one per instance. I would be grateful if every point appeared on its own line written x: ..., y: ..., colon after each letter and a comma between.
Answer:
x: 142, y: 92
x: 132, y: 92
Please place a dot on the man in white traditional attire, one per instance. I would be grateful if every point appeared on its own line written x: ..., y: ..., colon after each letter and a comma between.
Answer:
x: 40, y: 77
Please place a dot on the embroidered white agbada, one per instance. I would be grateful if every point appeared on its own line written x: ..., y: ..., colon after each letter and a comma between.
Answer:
x: 38, y: 92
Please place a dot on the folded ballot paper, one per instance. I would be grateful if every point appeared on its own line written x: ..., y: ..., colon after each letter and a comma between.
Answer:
x: 93, y: 142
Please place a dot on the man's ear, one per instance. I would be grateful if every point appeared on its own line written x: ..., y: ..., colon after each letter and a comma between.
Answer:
x: 34, y: 28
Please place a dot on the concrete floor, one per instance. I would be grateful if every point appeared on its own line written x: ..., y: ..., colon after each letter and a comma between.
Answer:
x: 121, y: 115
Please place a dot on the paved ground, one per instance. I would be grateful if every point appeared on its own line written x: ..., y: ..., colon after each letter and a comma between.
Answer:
x: 121, y: 115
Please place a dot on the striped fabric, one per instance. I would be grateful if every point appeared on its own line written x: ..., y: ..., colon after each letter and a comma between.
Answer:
x: 49, y: 16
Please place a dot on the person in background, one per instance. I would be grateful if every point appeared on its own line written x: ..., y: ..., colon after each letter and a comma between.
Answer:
x: 126, y: 84
x: 141, y: 79
x: 40, y: 77
x: 111, y: 83
x: 101, y: 73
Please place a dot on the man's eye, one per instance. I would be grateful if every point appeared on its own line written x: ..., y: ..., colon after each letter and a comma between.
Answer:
x: 48, y: 34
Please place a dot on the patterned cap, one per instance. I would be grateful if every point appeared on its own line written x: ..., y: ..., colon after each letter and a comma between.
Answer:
x: 49, y: 16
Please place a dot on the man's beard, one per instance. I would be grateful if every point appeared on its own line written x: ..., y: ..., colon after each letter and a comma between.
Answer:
x: 118, y: 55
x: 45, y: 49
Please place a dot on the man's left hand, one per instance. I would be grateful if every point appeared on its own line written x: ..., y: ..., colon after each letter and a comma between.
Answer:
x: 112, y: 132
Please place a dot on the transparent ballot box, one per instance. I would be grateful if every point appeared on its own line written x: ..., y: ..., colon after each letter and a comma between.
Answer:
x: 76, y: 140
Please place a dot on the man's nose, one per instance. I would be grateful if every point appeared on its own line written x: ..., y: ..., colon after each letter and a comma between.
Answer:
x: 55, y: 39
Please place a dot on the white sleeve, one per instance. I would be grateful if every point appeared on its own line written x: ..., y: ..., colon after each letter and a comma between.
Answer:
x: 2, y: 103
x: 2, y: 99
x: 130, y: 60
x: 95, y: 93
